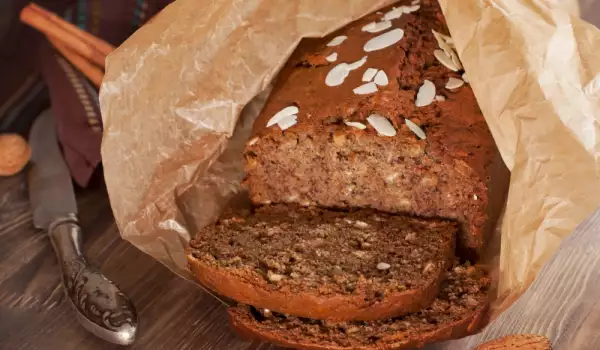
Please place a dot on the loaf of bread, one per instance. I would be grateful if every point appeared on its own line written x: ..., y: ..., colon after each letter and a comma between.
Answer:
x: 374, y: 116
x: 325, y: 264
x: 456, y: 312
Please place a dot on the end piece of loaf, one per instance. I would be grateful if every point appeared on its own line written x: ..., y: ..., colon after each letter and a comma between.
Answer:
x: 456, y: 312
x: 332, y: 152
x: 518, y: 342
x: 325, y: 264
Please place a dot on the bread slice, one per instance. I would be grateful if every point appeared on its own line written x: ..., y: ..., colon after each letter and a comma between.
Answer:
x: 457, y: 311
x: 518, y: 342
x: 324, y: 264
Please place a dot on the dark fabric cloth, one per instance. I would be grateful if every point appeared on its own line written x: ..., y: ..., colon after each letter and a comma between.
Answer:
x: 34, y: 75
x: 22, y: 93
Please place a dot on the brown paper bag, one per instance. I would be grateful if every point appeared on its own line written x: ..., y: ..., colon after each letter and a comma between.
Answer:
x: 180, y: 96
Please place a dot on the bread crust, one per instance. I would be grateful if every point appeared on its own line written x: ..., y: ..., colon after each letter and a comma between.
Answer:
x: 458, y: 329
x: 254, y: 290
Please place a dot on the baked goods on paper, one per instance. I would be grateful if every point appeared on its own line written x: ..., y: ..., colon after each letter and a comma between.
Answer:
x: 173, y: 164
x: 325, y: 264
x: 311, y: 266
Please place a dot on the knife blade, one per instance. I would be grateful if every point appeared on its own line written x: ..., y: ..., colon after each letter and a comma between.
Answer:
x: 51, y: 191
x: 100, y: 305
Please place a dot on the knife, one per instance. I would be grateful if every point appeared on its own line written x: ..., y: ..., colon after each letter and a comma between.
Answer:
x: 99, y: 304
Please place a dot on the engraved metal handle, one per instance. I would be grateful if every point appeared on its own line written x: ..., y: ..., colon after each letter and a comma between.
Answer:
x: 101, y: 307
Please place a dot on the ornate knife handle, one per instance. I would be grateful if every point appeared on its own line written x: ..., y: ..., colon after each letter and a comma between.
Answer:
x: 101, y: 307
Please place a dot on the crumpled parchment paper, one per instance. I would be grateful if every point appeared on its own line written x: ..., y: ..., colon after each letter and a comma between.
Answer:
x: 180, y: 96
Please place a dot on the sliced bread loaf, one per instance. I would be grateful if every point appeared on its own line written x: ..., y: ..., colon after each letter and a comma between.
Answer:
x: 324, y: 264
x: 456, y: 312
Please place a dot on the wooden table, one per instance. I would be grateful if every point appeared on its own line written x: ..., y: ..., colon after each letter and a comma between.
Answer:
x: 34, y: 313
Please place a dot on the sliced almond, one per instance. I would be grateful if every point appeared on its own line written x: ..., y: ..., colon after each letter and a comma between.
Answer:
x: 366, y: 89
x: 441, y: 40
x: 337, y: 75
x: 376, y: 27
x: 369, y: 74
x: 288, y: 122
x: 368, y: 27
x: 337, y: 40
x: 286, y: 112
x: 440, y: 98
x: 382, y: 125
x: 445, y: 60
x: 332, y: 58
x: 415, y: 129
x: 444, y: 37
x: 454, y: 83
x: 357, y: 64
x: 395, y: 13
x: 381, y: 78
x: 253, y: 141
x: 465, y: 78
x: 357, y: 125
x: 455, y: 59
x: 384, y: 40
x: 426, y: 94
x: 410, y: 9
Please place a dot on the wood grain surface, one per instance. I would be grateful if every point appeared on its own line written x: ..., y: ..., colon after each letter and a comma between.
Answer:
x: 34, y: 315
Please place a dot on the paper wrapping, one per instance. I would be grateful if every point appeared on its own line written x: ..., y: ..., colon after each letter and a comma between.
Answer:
x: 179, y: 98
x: 535, y: 75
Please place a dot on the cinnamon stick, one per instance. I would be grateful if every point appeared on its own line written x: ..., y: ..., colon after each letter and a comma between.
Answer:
x: 93, y: 73
x: 77, y: 40
x: 98, y: 43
